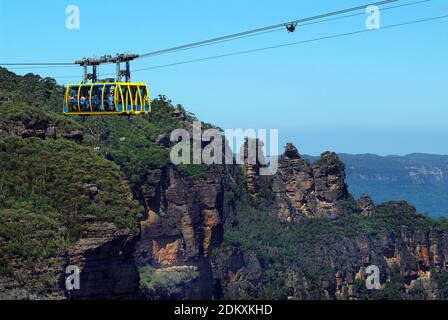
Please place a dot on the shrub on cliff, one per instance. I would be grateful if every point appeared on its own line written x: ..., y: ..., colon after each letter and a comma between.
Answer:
x: 165, y: 283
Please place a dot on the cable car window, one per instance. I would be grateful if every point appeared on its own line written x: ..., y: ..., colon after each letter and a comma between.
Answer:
x: 109, y: 98
x: 97, y: 93
x: 84, y: 99
x: 135, y: 98
x: 127, y: 103
x: 120, y: 98
x: 145, y: 98
x: 72, y: 99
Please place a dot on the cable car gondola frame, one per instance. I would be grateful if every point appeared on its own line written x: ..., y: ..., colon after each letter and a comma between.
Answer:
x: 107, y: 97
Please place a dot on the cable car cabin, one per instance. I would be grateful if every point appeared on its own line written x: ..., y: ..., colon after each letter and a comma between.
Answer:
x: 114, y: 98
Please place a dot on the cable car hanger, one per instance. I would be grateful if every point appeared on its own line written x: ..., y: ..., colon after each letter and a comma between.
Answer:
x: 108, y: 96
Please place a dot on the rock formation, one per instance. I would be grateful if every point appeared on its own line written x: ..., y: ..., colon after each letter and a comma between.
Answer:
x: 310, y: 190
x: 367, y: 206
x: 252, y: 159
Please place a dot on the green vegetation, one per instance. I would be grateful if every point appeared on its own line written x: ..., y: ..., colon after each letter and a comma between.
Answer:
x: 48, y: 188
x: 441, y: 278
x: 30, y: 90
x: 31, y: 243
x: 393, y: 290
x: 195, y: 172
x: 14, y: 116
x: 277, y: 246
x: 59, y: 174
x: 131, y: 141
x: 165, y: 283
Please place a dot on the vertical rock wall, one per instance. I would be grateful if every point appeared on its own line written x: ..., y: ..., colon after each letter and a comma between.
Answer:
x: 183, y: 224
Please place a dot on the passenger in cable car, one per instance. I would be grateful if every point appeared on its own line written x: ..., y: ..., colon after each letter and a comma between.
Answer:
x: 96, y: 105
x: 72, y: 100
x: 84, y: 101
x: 111, y: 99
x: 96, y: 101
x: 106, y: 100
x: 87, y: 101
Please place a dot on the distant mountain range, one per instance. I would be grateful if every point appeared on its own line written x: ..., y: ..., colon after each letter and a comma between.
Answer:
x: 421, y: 179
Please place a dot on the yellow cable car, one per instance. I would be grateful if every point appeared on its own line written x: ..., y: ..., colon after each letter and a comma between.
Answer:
x: 108, y: 96
x: 113, y: 98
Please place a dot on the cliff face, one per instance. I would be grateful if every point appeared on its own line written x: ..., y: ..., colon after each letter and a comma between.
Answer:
x: 412, y: 256
x: 183, y: 224
x: 409, y: 261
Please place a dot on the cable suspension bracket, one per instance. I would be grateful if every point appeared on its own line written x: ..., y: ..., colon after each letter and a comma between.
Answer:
x: 117, y: 59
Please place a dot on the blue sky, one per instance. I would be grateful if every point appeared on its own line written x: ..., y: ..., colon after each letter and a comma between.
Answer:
x: 380, y: 92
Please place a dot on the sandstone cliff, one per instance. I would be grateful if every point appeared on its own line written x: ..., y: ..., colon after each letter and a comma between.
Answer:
x: 182, y: 225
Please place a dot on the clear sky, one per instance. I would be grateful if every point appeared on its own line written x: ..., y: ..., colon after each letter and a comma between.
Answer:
x: 381, y: 92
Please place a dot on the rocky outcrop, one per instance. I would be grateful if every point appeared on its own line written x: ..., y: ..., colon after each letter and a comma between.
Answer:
x: 43, y: 128
x: 163, y: 140
x: 183, y: 223
x: 310, y: 190
x: 74, y: 135
x: 104, y: 256
x: 367, y: 206
x: 253, y: 160
x: 330, y: 187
